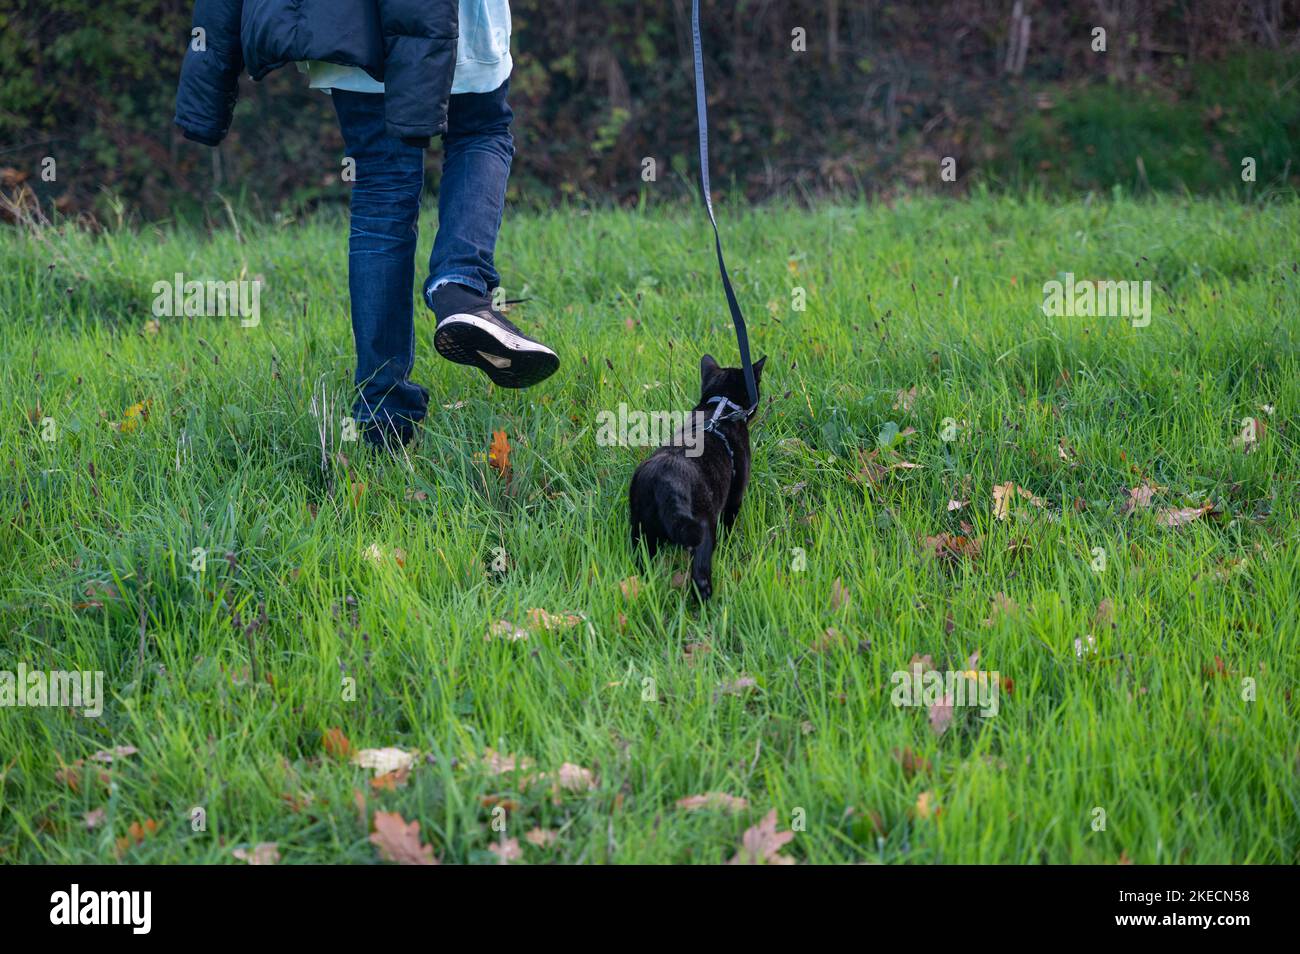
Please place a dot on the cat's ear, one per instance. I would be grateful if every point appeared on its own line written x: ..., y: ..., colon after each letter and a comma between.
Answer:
x: 708, y: 365
x: 758, y: 368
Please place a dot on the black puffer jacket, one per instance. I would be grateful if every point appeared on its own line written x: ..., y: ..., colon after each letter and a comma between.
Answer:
x: 408, y: 45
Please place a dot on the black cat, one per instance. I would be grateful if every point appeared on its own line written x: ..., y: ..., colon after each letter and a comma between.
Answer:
x: 679, y: 491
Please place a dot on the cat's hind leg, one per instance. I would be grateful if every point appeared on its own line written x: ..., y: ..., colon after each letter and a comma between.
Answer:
x: 702, y: 562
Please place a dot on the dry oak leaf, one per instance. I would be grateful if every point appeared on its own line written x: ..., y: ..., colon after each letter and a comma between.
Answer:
x: 941, y: 715
x: 541, y: 837
x: 506, y: 804
x: 384, y: 761
x: 336, y: 744
x: 1140, y: 496
x: 731, y: 803
x: 263, y: 853
x: 575, y: 778
x: 1181, y: 516
x: 925, y: 806
x: 497, y: 764
x: 499, y: 453
x: 910, y: 762
x: 390, y: 781
x: 117, y: 752
x: 761, y: 844
x: 136, y: 834
x: 506, y: 850
x: 873, y: 472
x: 399, y: 840
x: 541, y: 619
x: 1005, y: 494
x: 71, y: 775
x: 951, y: 547
x: 631, y: 588
x: 94, y: 818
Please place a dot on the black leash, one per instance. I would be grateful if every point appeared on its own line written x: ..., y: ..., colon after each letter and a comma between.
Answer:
x: 702, y: 120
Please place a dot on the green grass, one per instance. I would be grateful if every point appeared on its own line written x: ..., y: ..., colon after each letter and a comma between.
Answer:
x: 939, y: 296
x: 1148, y: 137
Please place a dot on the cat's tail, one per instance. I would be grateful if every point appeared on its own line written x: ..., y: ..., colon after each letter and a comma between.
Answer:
x: 680, y: 526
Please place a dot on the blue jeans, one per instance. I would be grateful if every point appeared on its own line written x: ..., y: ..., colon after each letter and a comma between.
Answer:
x: 477, y: 150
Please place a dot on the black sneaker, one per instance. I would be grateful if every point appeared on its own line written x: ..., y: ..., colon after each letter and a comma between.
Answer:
x: 471, y: 332
x: 390, y: 435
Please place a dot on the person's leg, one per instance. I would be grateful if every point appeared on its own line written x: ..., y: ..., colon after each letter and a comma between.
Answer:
x: 381, y: 267
x: 477, y: 150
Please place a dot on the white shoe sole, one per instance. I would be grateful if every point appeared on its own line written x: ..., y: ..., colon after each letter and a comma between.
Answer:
x: 510, y: 360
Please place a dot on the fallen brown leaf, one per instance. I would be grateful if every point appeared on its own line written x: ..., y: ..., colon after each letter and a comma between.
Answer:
x: 399, y: 840
x: 541, y: 837
x: 1182, y: 516
x: 941, y: 715
x: 541, y: 619
x: 499, y: 453
x: 506, y: 850
x: 135, y: 834
x: 263, y: 853
x: 950, y: 548
x: 911, y: 763
x: 719, y: 800
x: 574, y: 778
x: 761, y: 844
x: 926, y: 807
x: 118, y: 752
x: 1005, y: 494
x: 336, y: 744
x: 1140, y: 496
x: 390, y: 781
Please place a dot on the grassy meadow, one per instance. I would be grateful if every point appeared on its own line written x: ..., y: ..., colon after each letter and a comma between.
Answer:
x: 1104, y: 514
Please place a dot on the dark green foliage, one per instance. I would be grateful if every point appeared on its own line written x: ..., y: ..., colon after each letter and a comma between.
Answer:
x: 882, y: 92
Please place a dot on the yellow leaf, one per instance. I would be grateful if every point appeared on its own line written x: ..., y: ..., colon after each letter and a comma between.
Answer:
x: 134, y: 416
